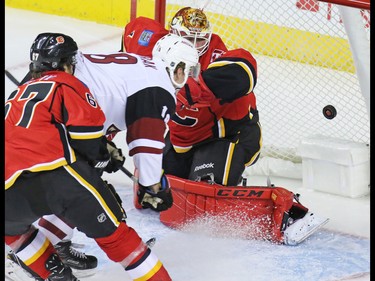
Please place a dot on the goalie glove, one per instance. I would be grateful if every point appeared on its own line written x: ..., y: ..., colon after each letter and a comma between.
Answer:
x: 117, y: 159
x: 157, y: 200
x: 194, y: 94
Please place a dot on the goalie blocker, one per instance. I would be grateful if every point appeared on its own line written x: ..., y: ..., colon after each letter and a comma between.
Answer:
x: 269, y: 213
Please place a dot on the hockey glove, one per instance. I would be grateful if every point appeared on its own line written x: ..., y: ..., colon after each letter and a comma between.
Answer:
x: 103, y: 159
x: 194, y: 94
x: 160, y: 200
x: 117, y: 158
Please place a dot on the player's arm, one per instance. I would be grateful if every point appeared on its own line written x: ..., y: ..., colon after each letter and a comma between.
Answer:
x: 232, y: 75
x: 75, y: 107
x: 147, y: 113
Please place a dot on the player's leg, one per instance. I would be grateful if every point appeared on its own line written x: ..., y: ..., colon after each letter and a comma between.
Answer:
x: 37, y: 257
x: 31, y: 249
x: 176, y: 164
x: 60, y: 233
x: 103, y: 219
x: 220, y: 160
x: 226, y: 159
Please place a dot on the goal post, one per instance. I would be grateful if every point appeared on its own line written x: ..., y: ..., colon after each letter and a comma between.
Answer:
x: 310, y: 54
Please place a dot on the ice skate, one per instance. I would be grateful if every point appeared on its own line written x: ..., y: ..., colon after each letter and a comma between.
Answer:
x: 59, y: 271
x: 14, y: 271
x: 81, y: 264
x: 302, y: 228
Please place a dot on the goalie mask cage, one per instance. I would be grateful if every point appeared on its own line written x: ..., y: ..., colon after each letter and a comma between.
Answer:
x: 307, y: 59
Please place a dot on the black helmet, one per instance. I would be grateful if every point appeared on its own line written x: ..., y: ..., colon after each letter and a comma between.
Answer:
x: 50, y: 51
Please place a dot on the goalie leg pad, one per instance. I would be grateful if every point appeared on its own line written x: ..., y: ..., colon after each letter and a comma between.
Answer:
x: 297, y: 211
x: 283, y: 201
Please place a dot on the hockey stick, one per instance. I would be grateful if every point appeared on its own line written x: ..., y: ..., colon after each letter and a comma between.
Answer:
x: 12, y: 78
x: 129, y: 174
x: 151, y: 242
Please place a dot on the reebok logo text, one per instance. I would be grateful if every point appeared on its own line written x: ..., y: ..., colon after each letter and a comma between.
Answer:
x: 204, y: 166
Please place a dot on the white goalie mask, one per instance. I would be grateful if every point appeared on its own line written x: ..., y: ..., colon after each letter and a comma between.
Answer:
x: 193, y: 25
x: 175, y: 51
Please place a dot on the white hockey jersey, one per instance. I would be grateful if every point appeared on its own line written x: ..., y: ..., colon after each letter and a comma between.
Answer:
x: 136, y: 95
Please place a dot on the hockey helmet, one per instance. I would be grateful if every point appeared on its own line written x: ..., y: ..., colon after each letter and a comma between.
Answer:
x: 50, y: 51
x: 175, y: 51
x: 192, y: 24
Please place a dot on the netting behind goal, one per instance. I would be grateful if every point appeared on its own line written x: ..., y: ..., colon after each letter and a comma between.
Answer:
x: 305, y: 62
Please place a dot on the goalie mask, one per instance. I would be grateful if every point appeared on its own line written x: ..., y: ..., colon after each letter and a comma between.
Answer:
x: 50, y: 51
x: 175, y: 52
x: 193, y: 25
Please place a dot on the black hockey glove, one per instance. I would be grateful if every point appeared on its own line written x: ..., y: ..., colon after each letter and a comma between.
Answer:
x: 103, y: 159
x: 117, y: 158
x: 157, y: 201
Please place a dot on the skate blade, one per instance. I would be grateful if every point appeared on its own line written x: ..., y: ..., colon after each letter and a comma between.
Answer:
x: 294, y: 242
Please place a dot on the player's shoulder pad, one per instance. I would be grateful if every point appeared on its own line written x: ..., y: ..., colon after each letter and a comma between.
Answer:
x: 235, y: 55
x: 70, y: 81
x: 239, y: 69
x: 141, y: 34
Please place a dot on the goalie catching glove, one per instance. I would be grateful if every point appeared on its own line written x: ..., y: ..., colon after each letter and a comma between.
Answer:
x: 157, y: 197
x: 117, y: 159
x: 194, y: 94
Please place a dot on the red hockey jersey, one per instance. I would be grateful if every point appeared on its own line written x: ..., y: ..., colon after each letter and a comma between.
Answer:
x: 231, y: 78
x: 43, y: 117
x: 215, y: 50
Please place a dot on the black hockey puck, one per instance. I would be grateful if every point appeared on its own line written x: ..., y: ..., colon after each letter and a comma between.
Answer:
x: 329, y: 111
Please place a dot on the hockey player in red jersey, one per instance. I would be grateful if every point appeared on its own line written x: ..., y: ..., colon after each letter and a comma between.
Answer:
x: 56, y: 114
x: 215, y: 113
x: 215, y: 133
